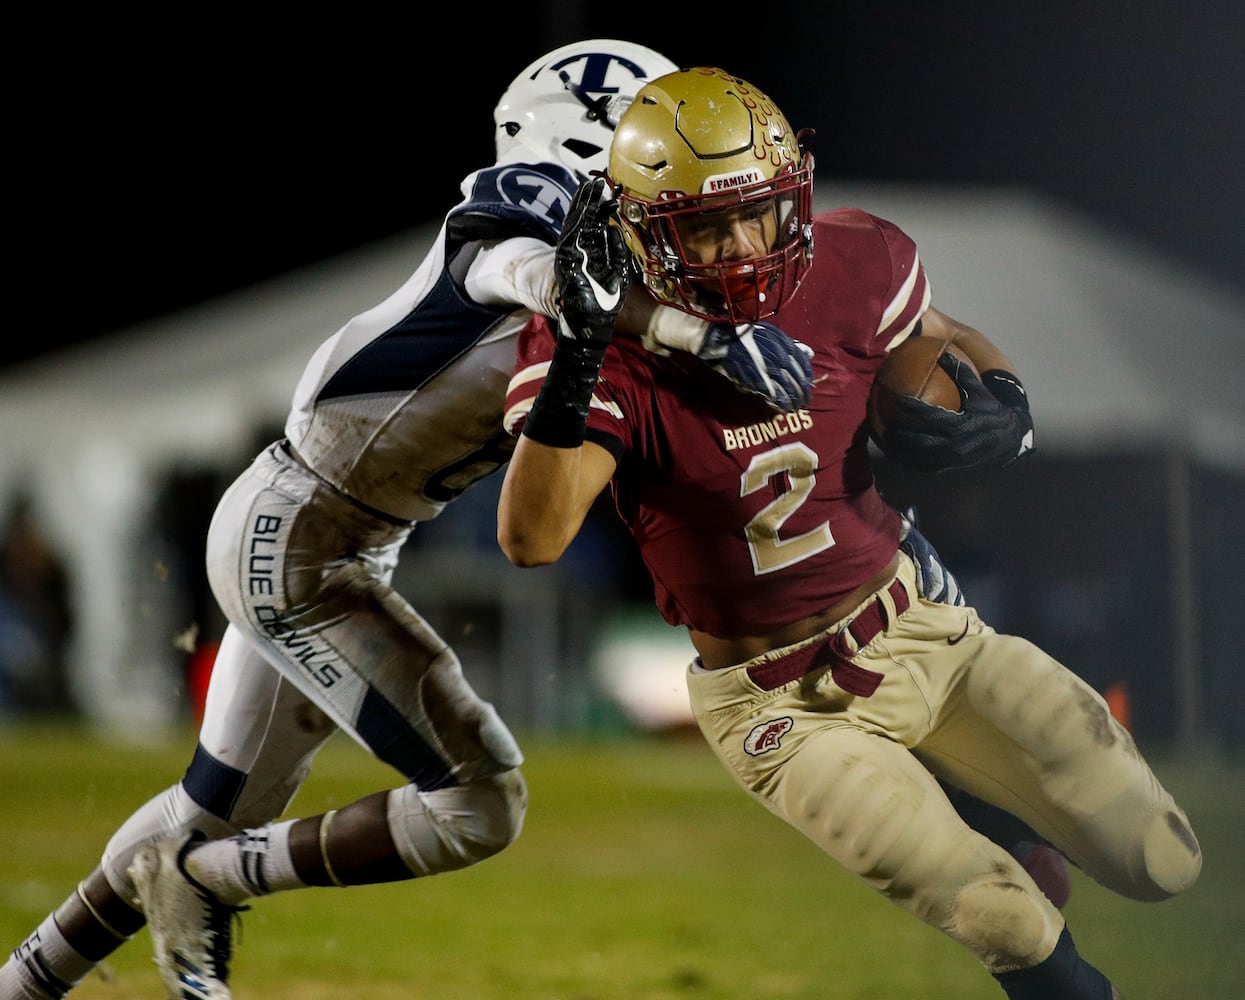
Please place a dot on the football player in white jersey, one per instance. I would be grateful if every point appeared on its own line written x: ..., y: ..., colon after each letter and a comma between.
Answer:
x: 395, y: 415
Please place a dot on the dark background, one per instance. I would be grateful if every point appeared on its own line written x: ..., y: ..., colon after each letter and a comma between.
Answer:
x: 163, y: 164
x: 156, y: 164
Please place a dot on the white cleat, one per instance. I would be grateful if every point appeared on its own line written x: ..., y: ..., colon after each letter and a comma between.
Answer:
x: 191, y: 930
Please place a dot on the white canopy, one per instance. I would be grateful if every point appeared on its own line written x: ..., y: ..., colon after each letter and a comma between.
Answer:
x: 1117, y: 347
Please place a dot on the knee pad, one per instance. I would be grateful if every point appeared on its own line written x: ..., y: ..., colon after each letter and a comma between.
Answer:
x: 1171, y: 858
x: 1005, y: 925
x: 498, y: 740
x: 453, y: 828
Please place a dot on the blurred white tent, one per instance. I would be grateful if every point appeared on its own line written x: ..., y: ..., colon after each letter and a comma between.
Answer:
x: 90, y: 432
x: 1117, y: 346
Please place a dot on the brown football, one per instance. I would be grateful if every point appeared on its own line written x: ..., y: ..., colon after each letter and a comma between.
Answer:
x: 912, y: 369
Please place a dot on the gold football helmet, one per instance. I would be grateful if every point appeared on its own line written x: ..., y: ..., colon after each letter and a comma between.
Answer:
x: 715, y: 195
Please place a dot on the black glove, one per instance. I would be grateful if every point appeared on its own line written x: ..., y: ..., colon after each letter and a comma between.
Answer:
x: 993, y: 428
x: 592, y: 266
x: 759, y: 358
x: 934, y: 581
x: 593, y: 270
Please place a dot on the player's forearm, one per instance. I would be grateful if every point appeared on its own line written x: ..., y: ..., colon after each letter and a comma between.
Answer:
x: 984, y: 354
x: 517, y: 271
x: 541, y: 507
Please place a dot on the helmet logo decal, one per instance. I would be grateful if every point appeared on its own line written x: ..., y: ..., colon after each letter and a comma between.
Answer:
x: 778, y: 144
x: 534, y: 192
x: 737, y: 178
x: 772, y: 142
x: 767, y: 736
x: 596, y: 67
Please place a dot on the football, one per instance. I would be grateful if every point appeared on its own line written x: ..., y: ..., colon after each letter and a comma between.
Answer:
x: 912, y: 369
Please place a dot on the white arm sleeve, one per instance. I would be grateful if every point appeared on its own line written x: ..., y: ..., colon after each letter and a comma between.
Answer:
x: 517, y: 271
x: 673, y: 329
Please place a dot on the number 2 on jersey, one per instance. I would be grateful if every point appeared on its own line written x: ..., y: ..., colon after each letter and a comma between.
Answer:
x: 769, y: 552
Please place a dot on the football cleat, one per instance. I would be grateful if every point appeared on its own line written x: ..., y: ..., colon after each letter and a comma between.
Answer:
x: 191, y: 930
x: 1048, y: 868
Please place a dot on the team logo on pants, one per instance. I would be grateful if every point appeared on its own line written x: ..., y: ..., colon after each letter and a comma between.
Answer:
x: 767, y: 736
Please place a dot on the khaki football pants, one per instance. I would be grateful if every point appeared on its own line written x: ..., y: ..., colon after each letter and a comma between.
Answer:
x: 989, y: 713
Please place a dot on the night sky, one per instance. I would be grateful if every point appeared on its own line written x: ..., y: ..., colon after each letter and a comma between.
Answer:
x: 160, y: 165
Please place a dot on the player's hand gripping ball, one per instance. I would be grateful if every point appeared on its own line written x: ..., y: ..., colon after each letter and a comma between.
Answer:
x: 930, y: 429
x: 912, y: 369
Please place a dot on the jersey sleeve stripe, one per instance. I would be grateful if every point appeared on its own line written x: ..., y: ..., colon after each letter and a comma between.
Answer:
x: 606, y: 406
x: 905, y: 331
x: 515, y: 415
x: 535, y: 372
x: 522, y: 391
x: 908, y: 305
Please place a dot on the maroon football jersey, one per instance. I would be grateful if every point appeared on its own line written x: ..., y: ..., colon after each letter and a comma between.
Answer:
x: 746, y: 518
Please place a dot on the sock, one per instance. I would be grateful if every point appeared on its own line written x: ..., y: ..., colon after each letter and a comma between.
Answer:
x: 43, y: 966
x: 1062, y: 975
x: 254, y: 863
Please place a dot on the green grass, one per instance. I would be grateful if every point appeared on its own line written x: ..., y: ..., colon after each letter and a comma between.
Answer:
x: 642, y: 874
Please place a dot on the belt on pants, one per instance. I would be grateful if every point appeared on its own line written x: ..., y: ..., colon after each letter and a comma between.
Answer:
x: 832, y: 651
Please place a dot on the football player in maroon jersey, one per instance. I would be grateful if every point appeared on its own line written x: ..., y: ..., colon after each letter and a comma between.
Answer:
x: 833, y: 691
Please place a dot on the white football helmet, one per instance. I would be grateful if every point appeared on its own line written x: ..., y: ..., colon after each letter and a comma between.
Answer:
x: 565, y: 105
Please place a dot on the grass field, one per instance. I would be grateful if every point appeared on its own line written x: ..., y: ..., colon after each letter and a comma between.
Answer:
x: 642, y: 874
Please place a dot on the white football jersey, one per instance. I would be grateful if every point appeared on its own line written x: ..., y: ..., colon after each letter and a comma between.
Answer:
x: 401, y: 409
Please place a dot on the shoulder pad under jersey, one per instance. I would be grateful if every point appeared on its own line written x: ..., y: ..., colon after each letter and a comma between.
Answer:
x: 513, y: 199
